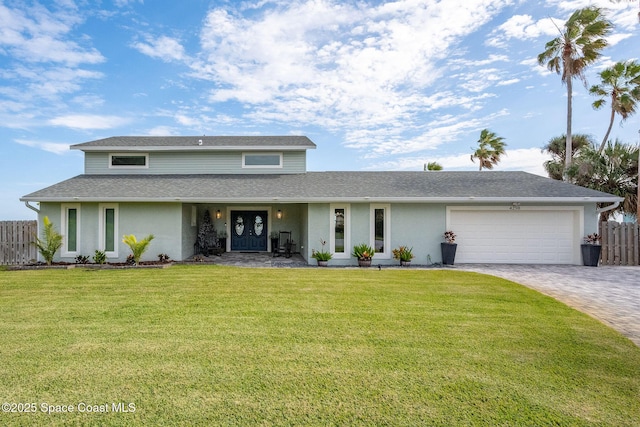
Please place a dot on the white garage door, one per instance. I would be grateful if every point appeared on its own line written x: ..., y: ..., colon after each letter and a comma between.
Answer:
x: 515, y: 237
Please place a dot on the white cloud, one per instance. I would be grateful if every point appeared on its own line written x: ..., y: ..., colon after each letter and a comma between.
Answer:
x: 533, y: 65
x: 617, y: 38
x: 123, y: 3
x: 492, y: 58
x: 46, y: 60
x: 38, y: 35
x: 347, y: 66
x: 162, y: 131
x: 89, y: 121
x: 524, y: 159
x: 88, y: 101
x: 52, y: 147
x: 508, y: 82
x: 165, y: 48
x: 523, y: 27
x: 440, y: 131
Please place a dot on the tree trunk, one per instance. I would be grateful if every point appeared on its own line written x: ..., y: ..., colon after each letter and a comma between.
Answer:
x: 569, y: 143
x: 606, y: 135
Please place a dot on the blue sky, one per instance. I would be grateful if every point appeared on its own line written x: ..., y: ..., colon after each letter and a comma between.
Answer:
x: 376, y: 85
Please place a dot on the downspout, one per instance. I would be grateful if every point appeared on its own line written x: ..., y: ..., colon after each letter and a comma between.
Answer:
x: 33, y: 208
x: 608, y: 208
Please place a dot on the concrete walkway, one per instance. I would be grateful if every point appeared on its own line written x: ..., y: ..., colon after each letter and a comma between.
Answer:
x: 610, y: 294
x: 255, y: 259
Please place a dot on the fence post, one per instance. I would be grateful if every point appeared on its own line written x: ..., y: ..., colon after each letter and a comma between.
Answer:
x: 636, y: 243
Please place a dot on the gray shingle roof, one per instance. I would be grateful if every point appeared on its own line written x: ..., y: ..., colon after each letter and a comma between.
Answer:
x: 321, y: 186
x: 213, y: 142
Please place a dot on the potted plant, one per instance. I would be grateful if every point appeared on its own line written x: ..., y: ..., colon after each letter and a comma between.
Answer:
x: 404, y: 254
x: 321, y: 256
x: 448, y: 248
x: 364, y: 253
x: 591, y: 249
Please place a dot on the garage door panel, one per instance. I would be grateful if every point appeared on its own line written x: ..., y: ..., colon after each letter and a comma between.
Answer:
x: 498, y: 236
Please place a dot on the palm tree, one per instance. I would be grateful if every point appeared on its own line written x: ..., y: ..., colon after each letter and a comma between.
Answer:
x: 432, y: 166
x: 556, y: 148
x: 50, y: 243
x: 490, y: 149
x: 138, y: 247
x: 577, y: 47
x: 621, y: 84
x: 614, y: 171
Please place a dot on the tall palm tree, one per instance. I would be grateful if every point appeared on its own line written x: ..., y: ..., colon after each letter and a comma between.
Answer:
x: 620, y: 84
x: 490, y: 149
x: 578, y: 46
x: 614, y: 171
x: 556, y: 148
x: 432, y: 166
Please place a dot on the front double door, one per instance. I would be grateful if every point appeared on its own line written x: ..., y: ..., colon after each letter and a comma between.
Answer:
x: 249, y: 231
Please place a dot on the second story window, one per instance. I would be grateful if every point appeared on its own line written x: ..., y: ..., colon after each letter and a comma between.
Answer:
x: 128, y: 161
x: 262, y: 160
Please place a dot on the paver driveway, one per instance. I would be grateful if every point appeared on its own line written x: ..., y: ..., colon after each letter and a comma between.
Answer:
x: 610, y: 294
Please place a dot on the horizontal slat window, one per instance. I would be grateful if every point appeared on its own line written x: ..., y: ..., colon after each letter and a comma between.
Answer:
x: 129, y: 161
x: 262, y: 160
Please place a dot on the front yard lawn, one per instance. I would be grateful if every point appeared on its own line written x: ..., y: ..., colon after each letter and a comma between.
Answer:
x: 209, y: 345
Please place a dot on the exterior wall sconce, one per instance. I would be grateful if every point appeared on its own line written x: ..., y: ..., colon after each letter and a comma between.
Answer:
x: 218, y: 214
x: 279, y: 214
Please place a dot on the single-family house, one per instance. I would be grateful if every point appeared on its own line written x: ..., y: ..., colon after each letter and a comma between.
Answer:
x: 255, y: 185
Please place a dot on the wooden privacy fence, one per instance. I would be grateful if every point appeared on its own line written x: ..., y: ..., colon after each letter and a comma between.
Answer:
x: 17, y: 240
x: 620, y: 243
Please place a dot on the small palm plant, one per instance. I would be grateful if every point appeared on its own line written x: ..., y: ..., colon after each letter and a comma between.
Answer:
x: 363, y: 252
x: 403, y: 253
x: 137, y: 247
x: 52, y: 241
x: 321, y: 255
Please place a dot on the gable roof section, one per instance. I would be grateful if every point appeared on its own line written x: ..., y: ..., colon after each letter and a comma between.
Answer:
x: 187, y: 143
x: 441, y: 186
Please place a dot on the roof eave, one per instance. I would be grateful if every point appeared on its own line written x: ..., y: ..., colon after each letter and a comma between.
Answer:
x: 359, y: 199
x: 130, y: 148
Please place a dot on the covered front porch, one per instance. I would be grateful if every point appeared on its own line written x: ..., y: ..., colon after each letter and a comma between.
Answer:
x: 214, y: 228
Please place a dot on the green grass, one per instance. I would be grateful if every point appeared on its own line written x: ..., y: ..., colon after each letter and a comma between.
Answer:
x: 203, y: 345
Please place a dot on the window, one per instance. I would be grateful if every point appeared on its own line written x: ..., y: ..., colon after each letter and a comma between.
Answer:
x: 70, y: 229
x: 340, y: 242
x: 128, y: 161
x: 380, y: 230
x: 108, y: 223
x: 262, y: 160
